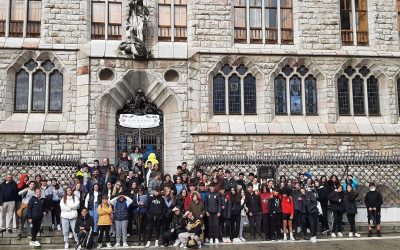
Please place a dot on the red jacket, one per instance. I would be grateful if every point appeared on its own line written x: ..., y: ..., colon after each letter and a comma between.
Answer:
x: 264, y: 202
x: 287, y: 206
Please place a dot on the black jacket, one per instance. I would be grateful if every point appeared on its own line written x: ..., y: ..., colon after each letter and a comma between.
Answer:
x: 156, y: 206
x: 228, y: 184
x: 337, y: 205
x: 227, y: 211
x: 311, y: 202
x: 86, y: 222
x: 213, y: 203
x: 274, y: 205
x: 373, y: 199
x: 298, y: 204
x: 178, y: 223
x: 8, y: 192
x: 253, y: 203
x: 350, y: 202
x: 35, y: 208
x: 323, y: 192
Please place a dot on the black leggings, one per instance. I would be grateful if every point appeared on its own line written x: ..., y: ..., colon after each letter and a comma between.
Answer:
x: 324, y: 217
x: 213, y: 229
x: 352, y: 221
x: 275, y: 222
x: 154, y: 221
x: 55, y: 213
x: 104, y: 230
x: 297, y: 220
x: 265, y: 223
x: 313, y: 221
x: 226, y: 227
x: 35, y: 228
x: 141, y: 222
x: 337, y: 221
x: 235, y: 226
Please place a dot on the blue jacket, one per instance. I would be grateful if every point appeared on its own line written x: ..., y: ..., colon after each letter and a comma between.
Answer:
x: 354, y: 184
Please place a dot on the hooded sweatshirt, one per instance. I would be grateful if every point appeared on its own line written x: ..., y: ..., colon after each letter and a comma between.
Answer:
x: 149, y: 150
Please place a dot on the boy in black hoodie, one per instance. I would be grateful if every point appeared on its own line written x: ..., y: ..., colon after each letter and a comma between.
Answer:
x: 35, y: 215
x: 373, y: 201
x: 275, y: 213
x: 253, y: 203
x: 213, y: 211
x: 156, y: 211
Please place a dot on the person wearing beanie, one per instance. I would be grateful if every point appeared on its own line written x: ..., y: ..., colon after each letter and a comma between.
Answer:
x: 373, y: 201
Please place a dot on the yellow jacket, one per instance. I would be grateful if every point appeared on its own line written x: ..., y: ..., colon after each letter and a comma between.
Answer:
x: 105, y: 215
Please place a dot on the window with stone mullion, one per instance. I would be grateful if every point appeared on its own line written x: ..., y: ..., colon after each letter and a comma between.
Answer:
x: 354, y: 22
x: 398, y: 96
x: 343, y: 95
x: 373, y: 96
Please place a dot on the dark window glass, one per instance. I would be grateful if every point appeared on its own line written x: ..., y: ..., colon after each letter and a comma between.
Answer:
x: 311, y: 95
x: 226, y: 69
x: 249, y: 94
x: 21, y: 91
x: 241, y: 69
x: 364, y: 71
x: 358, y: 96
x: 48, y: 65
x: 398, y: 95
x: 219, y: 94
x: 280, y: 95
x: 302, y: 70
x: 31, y: 64
x: 349, y: 71
x: 343, y: 96
x: 38, y: 91
x: 56, y: 91
x: 287, y: 70
x: 373, y: 96
x: 295, y: 95
x: 234, y: 94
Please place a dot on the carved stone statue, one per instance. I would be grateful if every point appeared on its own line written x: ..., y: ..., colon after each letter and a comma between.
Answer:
x: 134, y: 28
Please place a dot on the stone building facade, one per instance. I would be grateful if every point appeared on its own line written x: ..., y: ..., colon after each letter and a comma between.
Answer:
x: 178, y: 78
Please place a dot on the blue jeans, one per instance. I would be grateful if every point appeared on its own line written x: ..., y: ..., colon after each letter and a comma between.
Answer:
x: 95, y: 217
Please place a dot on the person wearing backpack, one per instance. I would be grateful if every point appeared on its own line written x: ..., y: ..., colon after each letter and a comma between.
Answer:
x: 373, y: 201
x: 351, y: 209
x: 121, y: 204
x: 104, y: 211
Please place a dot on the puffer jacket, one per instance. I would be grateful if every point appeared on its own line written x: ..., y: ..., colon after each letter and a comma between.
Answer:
x: 69, y: 209
x: 336, y: 205
x: 105, y: 213
x: 350, y: 202
x: 311, y: 202
x: 227, y: 207
x: 213, y: 203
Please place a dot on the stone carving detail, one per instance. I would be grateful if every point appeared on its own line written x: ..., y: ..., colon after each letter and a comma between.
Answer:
x: 139, y: 105
x: 134, y: 45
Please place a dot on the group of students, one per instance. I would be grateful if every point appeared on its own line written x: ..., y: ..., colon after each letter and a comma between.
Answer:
x: 185, y: 209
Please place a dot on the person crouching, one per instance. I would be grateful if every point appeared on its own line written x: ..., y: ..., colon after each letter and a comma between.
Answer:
x: 193, y: 230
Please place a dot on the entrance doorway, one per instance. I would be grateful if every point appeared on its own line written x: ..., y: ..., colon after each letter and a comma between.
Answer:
x: 139, y: 123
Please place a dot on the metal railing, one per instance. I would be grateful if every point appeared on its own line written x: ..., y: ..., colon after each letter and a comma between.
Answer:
x: 62, y: 167
x: 383, y: 169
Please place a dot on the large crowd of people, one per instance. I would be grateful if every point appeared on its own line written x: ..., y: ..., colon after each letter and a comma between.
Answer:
x: 188, y: 209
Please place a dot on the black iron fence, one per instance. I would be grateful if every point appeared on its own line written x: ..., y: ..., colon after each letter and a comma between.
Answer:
x: 383, y: 169
x: 62, y: 167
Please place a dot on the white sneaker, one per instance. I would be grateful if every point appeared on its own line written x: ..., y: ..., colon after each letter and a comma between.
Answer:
x: 211, y: 241
x: 357, y: 235
x: 79, y: 247
x: 156, y: 243
x: 125, y: 244
x: 66, y: 246
x: 228, y: 240
x: 37, y: 243
x: 236, y: 240
x: 70, y: 236
x: 148, y: 244
x: 31, y: 243
x: 99, y: 245
x: 313, y: 239
x: 333, y: 235
x: 340, y: 234
x: 182, y: 245
x: 108, y: 245
x: 242, y: 239
x: 224, y: 240
x: 216, y: 241
x: 177, y: 243
x: 58, y: 227
x: 292, y: 237
x: 351, y: 234
x: 207, y: 240
x: 284, y: 237
x: 117, y: 245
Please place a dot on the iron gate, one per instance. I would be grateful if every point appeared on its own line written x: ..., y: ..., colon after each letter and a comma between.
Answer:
x: 383, y: 169
x: 127, y: 138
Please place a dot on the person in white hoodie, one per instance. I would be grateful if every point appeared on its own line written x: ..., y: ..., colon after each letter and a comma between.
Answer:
x: 69, y: 213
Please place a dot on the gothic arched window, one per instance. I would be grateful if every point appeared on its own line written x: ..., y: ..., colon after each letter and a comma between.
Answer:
x: 363, y: 90
x: 38, y: 88
x: 301, y: 87
x: 234, y: 91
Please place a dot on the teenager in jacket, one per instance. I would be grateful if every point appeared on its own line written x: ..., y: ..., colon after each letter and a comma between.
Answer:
x: 35, y: 213
x: 287, y: 214
x: 196, y: 206
x: 193, y: 230
x: 104, y: 211
x: 254, y: 213
x: 373, y: 201
x: 336, y: 199
x: 265, y: 196
x: 298, y: 208
x: 275, y: 214
x: 178, y: 225
x: 226, y: 214
x: 57, y: 193
x: 132, y: 193
x: 121, y: 204
x: 155, y: 213
x: 311, y: 210
x: 8, y: 197
x: 350, y: 181
x: 83, y: 226
x: 235, y: 215
x: 69, y: 213
x: 323, y: 191
x: 141, y: 203
x: 92, y: 201
x: 213, y: 211
x: 351, y: 209
x: 27, y: 193
x: 169, y: 200
x: 243, y: 214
